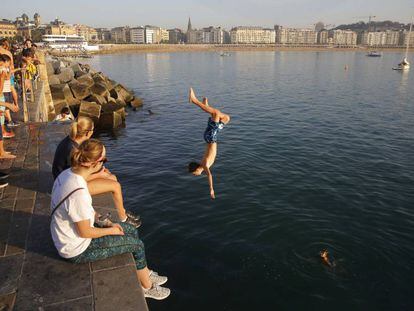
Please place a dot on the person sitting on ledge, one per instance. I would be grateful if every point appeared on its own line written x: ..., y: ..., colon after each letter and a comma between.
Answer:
x: 74, y: 234
x: 215, y: 123
x: 64, y: 115
x: 98, y: 183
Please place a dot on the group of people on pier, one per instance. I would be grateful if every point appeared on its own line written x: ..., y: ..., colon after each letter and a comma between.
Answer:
x: 81, y: 234
x: 17, y: 72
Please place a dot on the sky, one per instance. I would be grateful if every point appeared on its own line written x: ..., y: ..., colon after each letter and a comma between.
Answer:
x: 226, y: 13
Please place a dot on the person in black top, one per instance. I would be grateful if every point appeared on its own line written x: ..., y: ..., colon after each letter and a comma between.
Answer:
x: 101, y: 182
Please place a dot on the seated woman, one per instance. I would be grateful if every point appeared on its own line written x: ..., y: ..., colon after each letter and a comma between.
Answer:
x: 72, y: 225
x: 215, y: 123
x: 99, y: 182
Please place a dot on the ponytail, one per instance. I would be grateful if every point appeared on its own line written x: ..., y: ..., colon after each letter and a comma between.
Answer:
x: 88, y: 152
x: 81, y: 127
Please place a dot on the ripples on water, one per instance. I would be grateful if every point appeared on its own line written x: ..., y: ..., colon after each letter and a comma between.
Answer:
x: 315, y: 157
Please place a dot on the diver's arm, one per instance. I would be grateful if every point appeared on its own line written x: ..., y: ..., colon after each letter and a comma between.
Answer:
x: 210, y: 180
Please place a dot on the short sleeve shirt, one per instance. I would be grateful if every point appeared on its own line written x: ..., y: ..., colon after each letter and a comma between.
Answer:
x: 76, y: 208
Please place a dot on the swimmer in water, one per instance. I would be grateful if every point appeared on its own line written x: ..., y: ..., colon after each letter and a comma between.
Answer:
x: 327, y: 258
x: 215, y: 124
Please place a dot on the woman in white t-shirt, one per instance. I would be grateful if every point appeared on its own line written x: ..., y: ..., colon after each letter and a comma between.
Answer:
x: 73, y: 217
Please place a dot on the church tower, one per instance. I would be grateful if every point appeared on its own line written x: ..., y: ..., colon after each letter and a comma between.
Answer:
x: 189, y: 28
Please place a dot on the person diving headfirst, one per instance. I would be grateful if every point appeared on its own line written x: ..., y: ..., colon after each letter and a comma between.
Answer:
x: 215, y: 124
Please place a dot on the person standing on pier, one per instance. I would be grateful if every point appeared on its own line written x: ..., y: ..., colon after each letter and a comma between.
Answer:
x: 4, y: 64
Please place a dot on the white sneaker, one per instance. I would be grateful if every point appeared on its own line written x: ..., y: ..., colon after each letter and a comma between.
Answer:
x: 157, y: 279
x: 156, y: 292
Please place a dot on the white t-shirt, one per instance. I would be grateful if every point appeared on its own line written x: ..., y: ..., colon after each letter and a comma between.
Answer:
x: 76, y: 208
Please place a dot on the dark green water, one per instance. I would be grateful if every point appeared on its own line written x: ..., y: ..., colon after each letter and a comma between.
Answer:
x: 314, y: 157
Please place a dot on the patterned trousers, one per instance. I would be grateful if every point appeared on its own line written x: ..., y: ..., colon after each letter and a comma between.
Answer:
x: 111, y: 245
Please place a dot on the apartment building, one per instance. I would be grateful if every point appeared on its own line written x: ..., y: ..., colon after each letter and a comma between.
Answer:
x: 252, y: 35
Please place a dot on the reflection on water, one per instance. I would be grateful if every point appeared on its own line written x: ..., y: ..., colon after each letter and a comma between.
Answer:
x: 315, y: 157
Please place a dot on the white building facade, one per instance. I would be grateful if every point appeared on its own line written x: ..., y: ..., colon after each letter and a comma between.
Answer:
x: 296, y: 36
x: 344, y: 37
x: 252, y: 35
x: 137, y: 35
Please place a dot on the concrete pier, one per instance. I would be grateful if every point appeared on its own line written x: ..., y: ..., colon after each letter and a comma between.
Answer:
x: 32, y: 275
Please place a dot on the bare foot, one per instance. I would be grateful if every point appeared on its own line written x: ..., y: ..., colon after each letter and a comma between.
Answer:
x: 205, y: 101
x: 191, y: 96
x: 6, y: 155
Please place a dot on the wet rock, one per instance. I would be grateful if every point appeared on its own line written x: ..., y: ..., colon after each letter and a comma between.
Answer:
x: 91, y: 110
x: 127, y: 95
x: 79, y: 90
x: 110, y: 120
x: 66, y: 75
x: 111, y: 106
x: 117, y: 96
x: 136, y: 102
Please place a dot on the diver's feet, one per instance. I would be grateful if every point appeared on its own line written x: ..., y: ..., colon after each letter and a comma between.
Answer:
x: 205, y: 101
x: 192, y: 97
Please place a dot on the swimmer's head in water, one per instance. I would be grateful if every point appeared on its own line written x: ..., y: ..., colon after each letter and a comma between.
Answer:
x: 194, y: 168
x: 327, y: 258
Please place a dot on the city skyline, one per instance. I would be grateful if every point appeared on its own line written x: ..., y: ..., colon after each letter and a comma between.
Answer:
x: 293, y: 13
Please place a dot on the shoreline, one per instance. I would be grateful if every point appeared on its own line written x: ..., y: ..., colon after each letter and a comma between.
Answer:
x: 174, y: 48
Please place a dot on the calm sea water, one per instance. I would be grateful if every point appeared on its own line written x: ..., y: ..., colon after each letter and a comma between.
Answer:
x: 315, y: 157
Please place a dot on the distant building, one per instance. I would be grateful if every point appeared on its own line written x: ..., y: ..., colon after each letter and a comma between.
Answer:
x: 90, y: 34
x: 209, y: 35
x: 407, y: 38
x: 150, y: 35
x: 37, y: 20
x: 176, y: 36
x: 381, y: 38
x: 344, y: 37
x: 104, y: 34
x: 137, y: 35
x: 323, y: 37
x: 7, y: 29
x: 57, y: 27
x: 121, y: 34
x: 296, y: 36
x: 252, y: 35
x: 165, y: 35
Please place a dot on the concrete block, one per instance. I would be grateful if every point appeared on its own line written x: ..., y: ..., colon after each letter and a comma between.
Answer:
x: 80, y: 91
x: 110, y: 120
x: 136, y: 102
x: 66, y: 75
x: 86, y: 79
x: 91, y: 110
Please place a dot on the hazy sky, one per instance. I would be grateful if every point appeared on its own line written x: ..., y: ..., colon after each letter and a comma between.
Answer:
x: 227, y: 13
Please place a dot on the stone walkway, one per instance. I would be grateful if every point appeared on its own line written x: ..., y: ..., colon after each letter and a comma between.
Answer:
x: 32, y: 276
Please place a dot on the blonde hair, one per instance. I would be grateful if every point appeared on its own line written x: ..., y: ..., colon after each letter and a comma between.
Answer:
x: 88, y: 152
x: 81, y: 127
